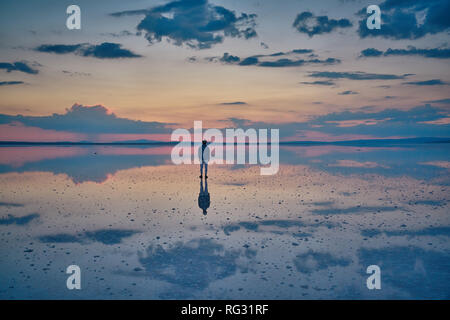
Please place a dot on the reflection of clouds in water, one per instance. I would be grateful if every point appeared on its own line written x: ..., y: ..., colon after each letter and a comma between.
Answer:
x: 432, y: 231
x: 305, y: 214
x: 10, y: 204
x: 105, y: 236
x: 18, y: 220
x: 194, y: 264
x: 88, y: 163
x: 313, y: 261
x: 440, y: 164
x: 275, y: 226
x: 436, y: 203
x: 422, y: 274
x: 93, y: 163
x: 354, y: 210
x: 421, y: 161
x: 356, y: 164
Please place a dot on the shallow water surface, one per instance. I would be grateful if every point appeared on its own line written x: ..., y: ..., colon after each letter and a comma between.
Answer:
x: 130, y: 219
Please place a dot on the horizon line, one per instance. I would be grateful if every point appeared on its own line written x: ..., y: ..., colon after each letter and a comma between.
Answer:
x: 293, y: 142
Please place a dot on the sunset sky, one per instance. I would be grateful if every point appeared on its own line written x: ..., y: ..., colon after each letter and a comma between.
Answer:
x: 138, y: 69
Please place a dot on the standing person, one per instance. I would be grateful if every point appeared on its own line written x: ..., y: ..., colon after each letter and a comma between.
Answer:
x: 203, y: 154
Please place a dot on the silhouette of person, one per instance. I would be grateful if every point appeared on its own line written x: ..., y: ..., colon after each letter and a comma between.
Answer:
x: 203, y: 197
x: 203, y: 154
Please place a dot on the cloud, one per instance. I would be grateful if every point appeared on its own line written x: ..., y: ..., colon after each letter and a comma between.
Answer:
x: 307, y: 22
x: 433, y: 82
x: 357, y: 75
x: 228, y: 58
x: 408, y: 19
x: 344, y: 93
x: 87, y: 120
x: 234, y: 103
x: 105, y: 50
x: 371, y: 52
x: 123, y: 33
x: 411, y: 51
x: 10, y: 83
x: 273, y: 60
x: 194, y: 23
x: 320, y: 83
x: 21, y: 66
x: 250, y: 61
x: 74, y: 73
x: 296, y: 63
x: 420, y: 121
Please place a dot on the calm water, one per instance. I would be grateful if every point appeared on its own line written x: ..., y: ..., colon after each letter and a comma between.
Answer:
x: 131, y: 221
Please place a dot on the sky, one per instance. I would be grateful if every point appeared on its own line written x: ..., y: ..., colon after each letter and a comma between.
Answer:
x: 140, y: 69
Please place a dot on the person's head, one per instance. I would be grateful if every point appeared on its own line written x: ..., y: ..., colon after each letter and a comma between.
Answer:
x: 204, y: 142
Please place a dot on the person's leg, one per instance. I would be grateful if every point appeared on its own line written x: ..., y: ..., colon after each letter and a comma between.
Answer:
x: 201, y: 169
x: 206, y: 170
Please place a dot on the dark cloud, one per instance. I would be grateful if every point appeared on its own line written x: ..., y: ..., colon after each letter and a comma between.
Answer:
x: 371, y: 52
x: 20, y: 66
x: 420, y: 121
x: 228, y: 58
x: 18, y: 220
x: 86, y: 119
x: 411, y: 51
x: 357, y: 75
x: 296, y: 63
x: 307, y: 22
x: 105, y: 236
x: 250, y: 61
x: 284, y: 59
x: 348, y: 92
x: 123, y: 33
x: 105, y: 50
x: 195, y: 23
x: 10, y: 83
x: 433, y: 82
x: 74, y: 73
x: 234, y: 103
x: 320, y: 83
x: 411, y: 19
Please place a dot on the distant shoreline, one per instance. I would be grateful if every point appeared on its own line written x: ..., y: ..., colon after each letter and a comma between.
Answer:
x: 424, y: 140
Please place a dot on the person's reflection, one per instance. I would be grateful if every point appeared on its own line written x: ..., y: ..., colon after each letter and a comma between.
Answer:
x: 203, y: 197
